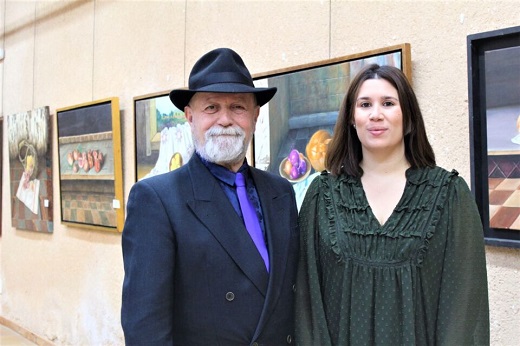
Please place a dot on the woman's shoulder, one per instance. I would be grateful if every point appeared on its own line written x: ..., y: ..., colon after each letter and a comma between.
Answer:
x: 440, y: 179
x: 327, y: 177
x: 436, y: 176
x: 326, y: 180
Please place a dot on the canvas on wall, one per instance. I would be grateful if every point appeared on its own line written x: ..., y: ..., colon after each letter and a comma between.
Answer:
x: 162, y: 136
x: 30, y: 167
x: 293, y: 131
x: 1, y: 170
x: 91, y: 178
x: 502, y: 75
x: 494, y: 116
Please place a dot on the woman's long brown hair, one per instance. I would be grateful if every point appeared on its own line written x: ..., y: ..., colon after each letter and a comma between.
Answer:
x: 344, y: 151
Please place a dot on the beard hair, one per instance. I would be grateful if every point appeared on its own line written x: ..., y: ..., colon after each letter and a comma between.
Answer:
x: 222, y: 145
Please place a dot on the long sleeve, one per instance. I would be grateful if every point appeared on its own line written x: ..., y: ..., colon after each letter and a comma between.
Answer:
x: 148, y: 254
x: 463, y: 317
x: 311, y: 325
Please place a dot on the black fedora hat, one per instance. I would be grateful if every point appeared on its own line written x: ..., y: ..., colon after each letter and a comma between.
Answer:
x: 221, y: 70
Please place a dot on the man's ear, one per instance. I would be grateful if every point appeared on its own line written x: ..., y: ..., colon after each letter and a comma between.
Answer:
x: 187, y: 114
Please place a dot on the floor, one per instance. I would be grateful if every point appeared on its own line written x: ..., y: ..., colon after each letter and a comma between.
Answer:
x: 10, y: 338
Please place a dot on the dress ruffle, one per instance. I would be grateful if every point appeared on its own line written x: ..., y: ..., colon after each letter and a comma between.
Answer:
x: 415, y: 216
x: 406, y: 282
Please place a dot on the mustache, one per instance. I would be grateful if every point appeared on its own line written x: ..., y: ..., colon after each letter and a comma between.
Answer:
x: 224, y: 131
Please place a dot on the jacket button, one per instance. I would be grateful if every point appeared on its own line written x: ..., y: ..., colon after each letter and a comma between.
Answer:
x: 289, y: 339
x: 294, y: 288
x: 230, y: 296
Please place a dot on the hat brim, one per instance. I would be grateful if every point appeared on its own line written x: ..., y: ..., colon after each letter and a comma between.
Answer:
x: 181, y: 97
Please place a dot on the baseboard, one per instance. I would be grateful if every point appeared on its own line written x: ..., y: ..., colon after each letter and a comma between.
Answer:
x: 38, y: 340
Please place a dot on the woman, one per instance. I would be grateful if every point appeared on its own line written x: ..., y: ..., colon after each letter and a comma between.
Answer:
x: 392, y: 245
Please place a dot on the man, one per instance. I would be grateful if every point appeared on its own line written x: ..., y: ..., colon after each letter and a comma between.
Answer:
x: 193, y: 273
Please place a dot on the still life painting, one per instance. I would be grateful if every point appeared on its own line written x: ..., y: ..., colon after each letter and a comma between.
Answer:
x: 293, y: 131
x: 89, y: 149
x: 502, y: 76
x: 494, y: 119
x: 162, y: 136
x: 30, y: 168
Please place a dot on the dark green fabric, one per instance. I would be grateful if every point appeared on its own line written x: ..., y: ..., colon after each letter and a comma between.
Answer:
x: 420, y: 279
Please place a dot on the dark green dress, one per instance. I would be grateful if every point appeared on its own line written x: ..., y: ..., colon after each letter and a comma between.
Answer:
x: 420, y: 279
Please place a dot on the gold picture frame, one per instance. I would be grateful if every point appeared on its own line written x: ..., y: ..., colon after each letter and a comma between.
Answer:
x: 90, y: 161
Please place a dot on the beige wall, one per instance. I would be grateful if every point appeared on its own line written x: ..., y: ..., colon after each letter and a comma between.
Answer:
x: 66, y: 286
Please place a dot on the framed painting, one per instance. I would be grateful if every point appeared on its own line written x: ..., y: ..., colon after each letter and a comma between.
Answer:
x: 90, y: 161
x: 296, y: 126
x: 30, y: 169
x: 494, y: 116
x: 1, y: 170
x: 163, y: 140
x: 162, y: 135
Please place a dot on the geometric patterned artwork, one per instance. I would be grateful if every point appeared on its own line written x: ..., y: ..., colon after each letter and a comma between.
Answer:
x: 30, y: 167
x: 504, y: 191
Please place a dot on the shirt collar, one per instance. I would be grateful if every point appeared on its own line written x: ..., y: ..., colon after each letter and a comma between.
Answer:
x: 223, y: 174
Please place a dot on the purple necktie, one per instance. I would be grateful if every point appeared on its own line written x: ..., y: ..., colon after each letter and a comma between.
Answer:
x: 251, y: 219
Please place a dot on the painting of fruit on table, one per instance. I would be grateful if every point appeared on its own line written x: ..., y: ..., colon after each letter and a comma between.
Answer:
x: 294, y: 130
x: 89, y: 165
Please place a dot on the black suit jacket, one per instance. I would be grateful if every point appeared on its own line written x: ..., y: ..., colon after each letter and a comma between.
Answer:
x: 193, y: 275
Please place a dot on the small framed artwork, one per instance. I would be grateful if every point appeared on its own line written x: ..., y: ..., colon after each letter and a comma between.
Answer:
x: 90, y: 161
x: 162, y: 136
x: 30, y: 170
x: 494, y: 116
x: 293, y: 131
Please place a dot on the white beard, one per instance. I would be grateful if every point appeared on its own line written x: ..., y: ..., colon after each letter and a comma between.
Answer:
x: 223, y: 145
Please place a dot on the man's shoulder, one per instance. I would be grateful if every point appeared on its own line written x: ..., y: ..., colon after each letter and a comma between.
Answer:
x: 264, y: 174
x: 168, y: 178
x: 271, y: 178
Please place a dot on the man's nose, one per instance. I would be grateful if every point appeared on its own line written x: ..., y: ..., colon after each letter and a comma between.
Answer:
x: 225, y: 117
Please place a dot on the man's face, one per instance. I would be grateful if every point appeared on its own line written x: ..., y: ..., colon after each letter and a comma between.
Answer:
x: 222, y: 125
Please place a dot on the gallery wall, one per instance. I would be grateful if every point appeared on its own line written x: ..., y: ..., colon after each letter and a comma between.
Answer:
x: 65, y: 286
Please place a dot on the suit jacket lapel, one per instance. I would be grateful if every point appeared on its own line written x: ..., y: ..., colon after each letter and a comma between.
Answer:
x: 213, y: 209
x: 275, y: 206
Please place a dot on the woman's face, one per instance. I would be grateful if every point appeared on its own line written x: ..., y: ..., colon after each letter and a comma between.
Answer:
x: 378, y: 117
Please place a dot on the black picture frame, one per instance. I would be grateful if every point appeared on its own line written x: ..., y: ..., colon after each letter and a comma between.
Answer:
x: 494, y: 103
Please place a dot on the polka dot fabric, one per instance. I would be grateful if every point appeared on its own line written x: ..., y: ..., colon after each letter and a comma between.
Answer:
x: 419, y: 279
